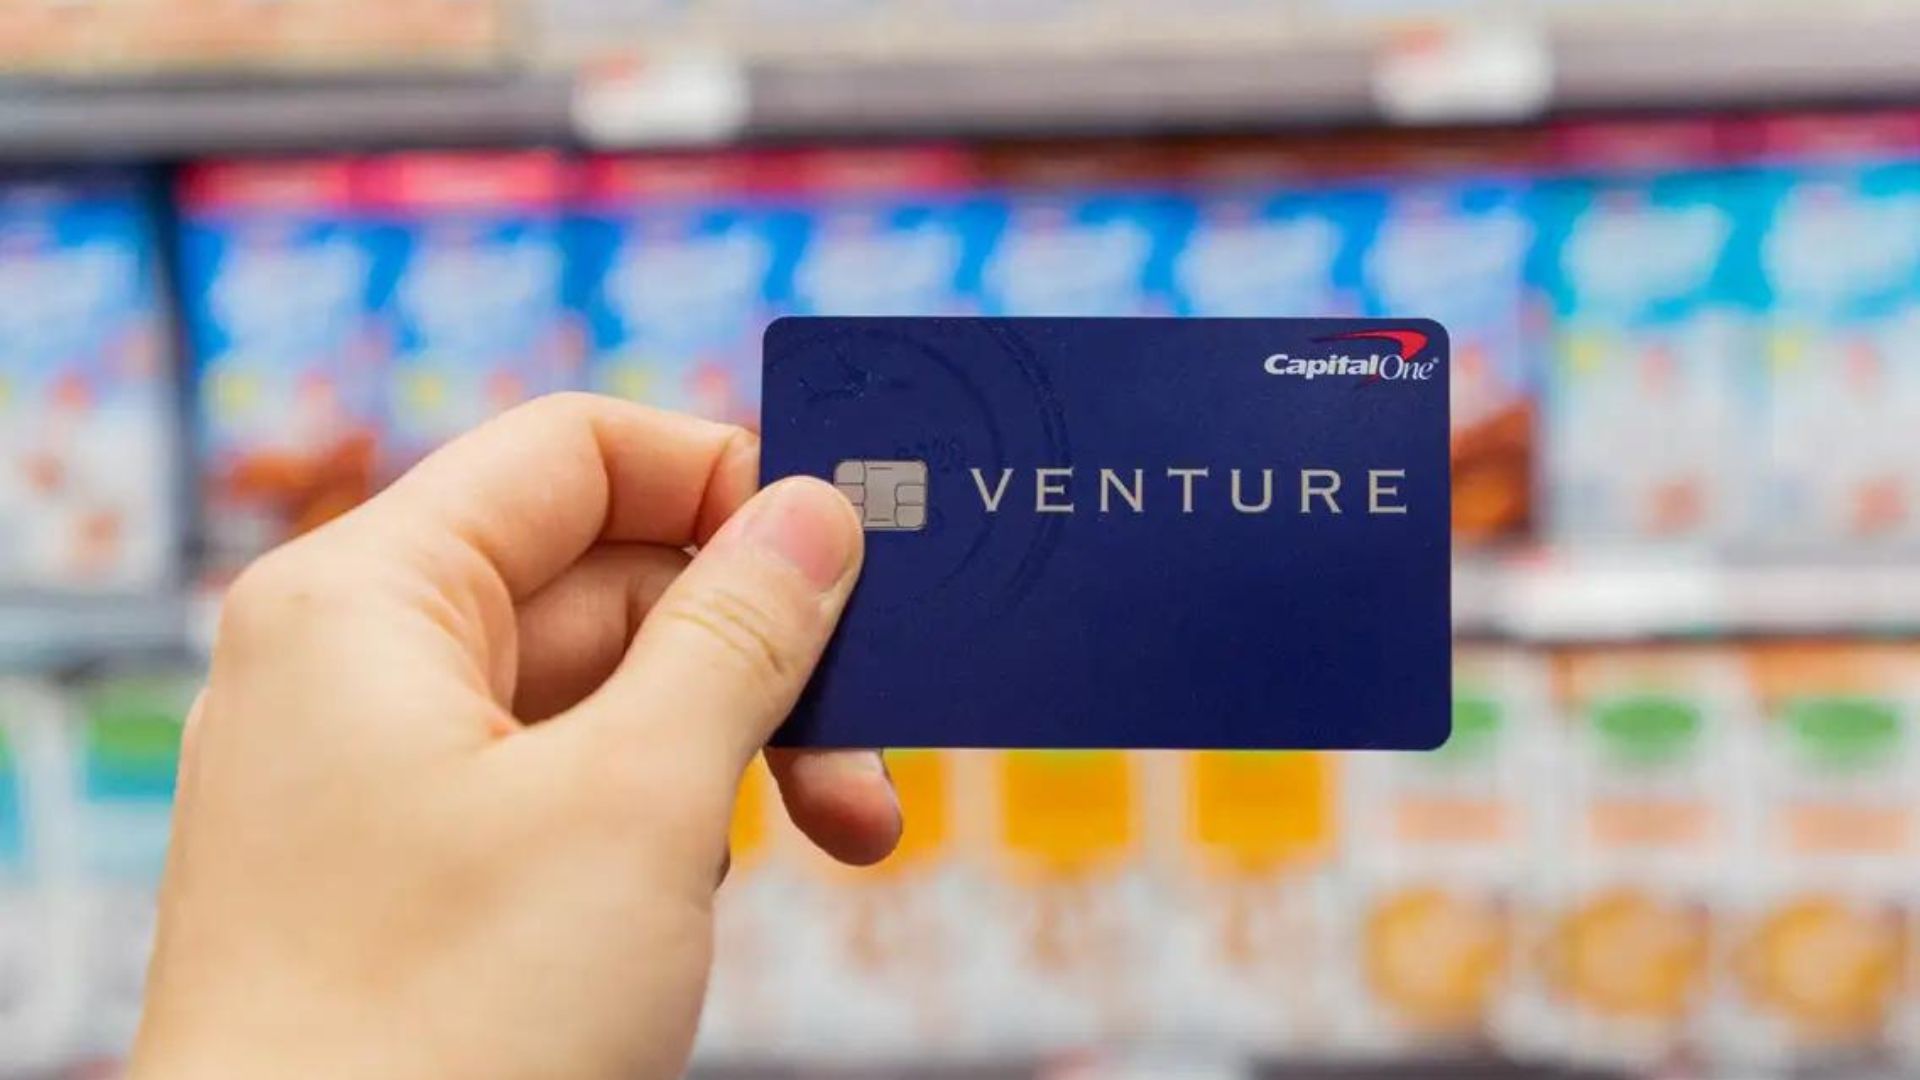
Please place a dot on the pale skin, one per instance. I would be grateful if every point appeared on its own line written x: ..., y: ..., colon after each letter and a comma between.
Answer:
x: 455, y: 799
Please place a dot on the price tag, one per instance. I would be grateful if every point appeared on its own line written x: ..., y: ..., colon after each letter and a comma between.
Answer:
x: 1450, y: 73
x: 691, y: 97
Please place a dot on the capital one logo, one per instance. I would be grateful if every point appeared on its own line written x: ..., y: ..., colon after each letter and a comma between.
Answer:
x: 1399, y: 361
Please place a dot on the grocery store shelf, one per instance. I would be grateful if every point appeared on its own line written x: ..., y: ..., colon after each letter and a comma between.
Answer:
x: 1286, y: 75
x: 1603, y: 597
x: 128, y: 120
x: 40, y: 632
x: 1689, y: 63
x: 1843, y: 54
x: 1141, y: 1066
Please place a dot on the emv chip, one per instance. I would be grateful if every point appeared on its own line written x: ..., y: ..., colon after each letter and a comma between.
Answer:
x: 891, y: 496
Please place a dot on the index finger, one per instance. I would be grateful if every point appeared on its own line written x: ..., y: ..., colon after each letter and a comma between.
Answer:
x: 531, y: 490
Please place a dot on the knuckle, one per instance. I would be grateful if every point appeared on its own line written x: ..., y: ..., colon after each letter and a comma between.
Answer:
x: 285, y: 587
x: 564, y: 402
x: 268, y: 584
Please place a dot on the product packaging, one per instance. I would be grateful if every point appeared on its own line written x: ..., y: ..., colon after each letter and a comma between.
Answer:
x: 1455, y: 249
x: 125, y: 757
x: 679, y: 262
x: 1442, y: 853
x: 275, y: 278
x: 1069, y: 934
x: 896, y: 231
x: 1840, y: 264
x: 1245, y: 919
x: 887, y: 953
x: 88, y: 499
x: 468, y: 289
x: 1080, y: 231
x: 1822, y: 923
x: 39, y: 1004
x: 1651, y: 378
x: 1652, y: 751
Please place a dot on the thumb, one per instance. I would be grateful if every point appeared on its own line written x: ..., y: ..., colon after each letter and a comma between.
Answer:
x: 721, y: 658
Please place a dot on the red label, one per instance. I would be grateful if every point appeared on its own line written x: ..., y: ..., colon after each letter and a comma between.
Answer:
x: 1640, y: 146
x: 531, y: 180
x: 883, y: 169
x: 304, y: 184
x: 1830, y: 137
x: 666, y: 177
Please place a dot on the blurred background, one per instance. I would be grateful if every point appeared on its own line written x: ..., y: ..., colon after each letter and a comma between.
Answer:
x: 258, y: 255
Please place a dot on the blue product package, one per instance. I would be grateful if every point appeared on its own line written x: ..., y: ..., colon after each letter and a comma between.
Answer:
x: 1094, y: 252
x: 275, y: 273
x: 1265, y: 252
x: 1655, y: 314
x: 1148, y: 532
x: 1456, y: 250
x: 468, y: 257
x: 1840, y: 267
x: 892, y: 231
x: 678, y: 264
x: 88, y: 499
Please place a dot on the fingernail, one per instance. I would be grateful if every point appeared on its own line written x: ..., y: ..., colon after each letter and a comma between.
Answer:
x: 879, y: 760
x: 807, y: 525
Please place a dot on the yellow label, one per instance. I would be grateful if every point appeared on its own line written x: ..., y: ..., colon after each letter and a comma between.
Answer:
x: 236, y: 393
x: 1254, y: 811
x: 1830, y: 967
x: 1067, y: 811
x: 632, y: 381
x: 1437, y: 958
x: 747, y: 836
x: 1586, y: 353
x: 1789, y: 350
x: 426, y: 392
x: 920, y: 778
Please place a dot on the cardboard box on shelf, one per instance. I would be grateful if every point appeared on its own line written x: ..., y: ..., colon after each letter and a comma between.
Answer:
x: 468, y: 289
x: 1457, y: 250
x: 72, y: 37
x: 1080, y: 231
x: 125, y: 757
x: 1441, y: 855
x: 885, y: 965
x: 570, y: 33
x: 1244, y: 905
x: 679, y: 262
x: 39, y: 987
x: 1068, y: 937
x: 1839, y: 263
x: 1650, y: 387
x: 1653, y: 749
x: 894, y: 231
x: 88, y: 429
x: 276, y: 276
x: 170, y: 37
x: 1822, y: 923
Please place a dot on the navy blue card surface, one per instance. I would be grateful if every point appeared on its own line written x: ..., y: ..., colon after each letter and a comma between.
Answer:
x: 1199, y: 533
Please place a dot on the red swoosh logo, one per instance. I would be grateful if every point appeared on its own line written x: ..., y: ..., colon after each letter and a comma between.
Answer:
x: 1408, y: 343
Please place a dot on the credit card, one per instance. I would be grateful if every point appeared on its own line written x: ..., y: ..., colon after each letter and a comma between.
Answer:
x: 1126, y: 533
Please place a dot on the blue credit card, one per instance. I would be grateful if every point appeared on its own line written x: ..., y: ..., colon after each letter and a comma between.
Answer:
x: 1180, y: 533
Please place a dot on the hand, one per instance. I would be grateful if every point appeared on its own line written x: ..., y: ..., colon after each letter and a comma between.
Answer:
x: 455, y: 800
